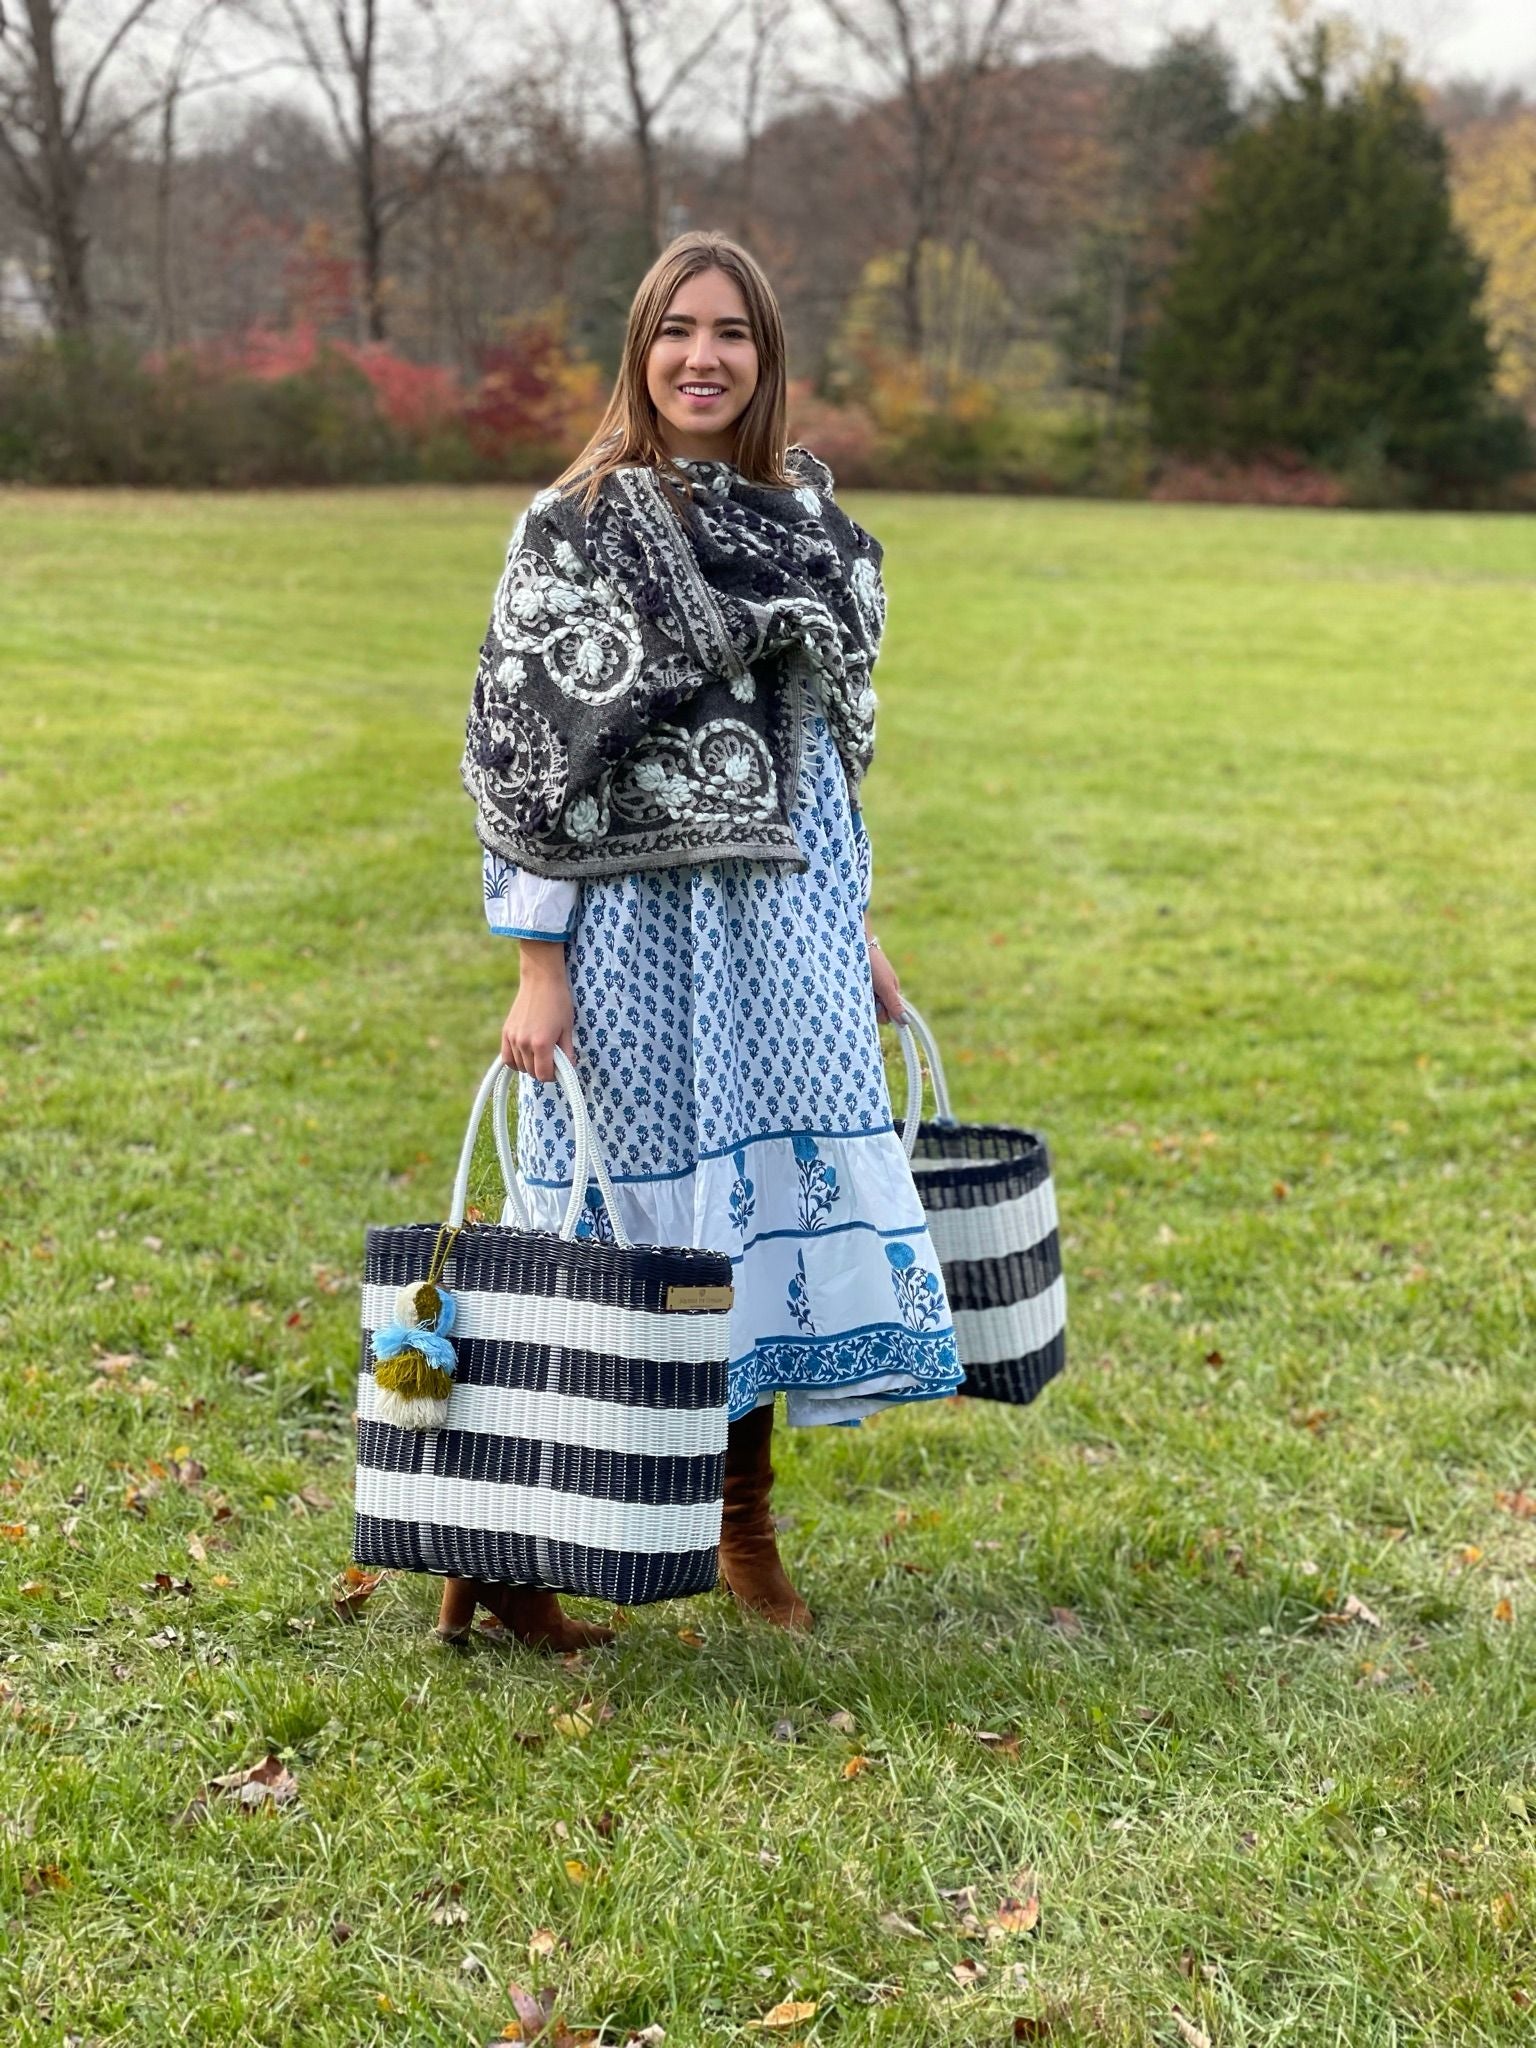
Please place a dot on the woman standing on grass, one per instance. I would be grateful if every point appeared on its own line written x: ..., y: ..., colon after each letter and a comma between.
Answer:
x: 670, y: 721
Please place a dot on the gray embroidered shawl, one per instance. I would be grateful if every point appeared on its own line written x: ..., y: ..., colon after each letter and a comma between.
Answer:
x: 638, y: 700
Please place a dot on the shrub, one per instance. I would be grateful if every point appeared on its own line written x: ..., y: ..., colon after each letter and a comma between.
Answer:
x: 533, y: 401
x: 844, y: 436
x: 99, y: 416
x: 1273, y: 480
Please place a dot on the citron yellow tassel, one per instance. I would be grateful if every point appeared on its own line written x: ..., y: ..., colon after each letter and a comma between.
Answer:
x: 413, y: 1377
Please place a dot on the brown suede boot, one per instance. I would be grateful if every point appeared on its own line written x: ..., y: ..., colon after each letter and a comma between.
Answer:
x: 531, y: 1614
x: 749, y: 1554
x: 536, y: 1618
x: 456, y: 1615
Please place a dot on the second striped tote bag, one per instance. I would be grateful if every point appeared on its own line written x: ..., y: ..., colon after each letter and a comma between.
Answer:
x: 990, y: 1205
x: 538, y: 1409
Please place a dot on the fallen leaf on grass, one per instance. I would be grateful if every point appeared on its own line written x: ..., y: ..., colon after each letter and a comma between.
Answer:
x: 784, y: 1731
x: 46, y: 1877
x: 691, y: 1637
x: 1191, y: 2035
x: 576, y: 1870
x: 1027, y: 2028
x: 842, y: 1721
x: 13, y: 1532
x: 162, y: 1582
x: 341, y: 1933
x: 1005, y: 1745
x: 353, y: 1589
x: 1018, y: 1916
x: 789, y: 2012
x: 443, y: 1896
x: 269, y: 1783
x: 1518, y: 1503
x: 1352, y: 1610
x: 1311, y: 1418
x: 967, y: 1971
x: 1504, y: 1610
x: 533, y: 2014
x: 855, y: 1766
x: 581, y: 1719
x: 543, y: 1942
x: 1067, y: 1621
x: 898, y: 1923
x: 962, y: 1904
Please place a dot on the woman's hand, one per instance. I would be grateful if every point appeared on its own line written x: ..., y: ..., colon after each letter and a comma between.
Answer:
x: 888, y: 1004
x: 542, y: 1016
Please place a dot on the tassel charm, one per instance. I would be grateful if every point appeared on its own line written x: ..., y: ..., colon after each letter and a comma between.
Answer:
x: 414, y: 1362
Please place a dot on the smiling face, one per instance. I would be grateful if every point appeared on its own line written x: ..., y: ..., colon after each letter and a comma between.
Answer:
x: 702, y: 367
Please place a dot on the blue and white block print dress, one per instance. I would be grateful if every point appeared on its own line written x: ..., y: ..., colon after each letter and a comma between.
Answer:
x: 726, y: 1041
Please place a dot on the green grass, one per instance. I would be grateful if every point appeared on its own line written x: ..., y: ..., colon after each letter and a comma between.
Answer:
x: 1206, y: 840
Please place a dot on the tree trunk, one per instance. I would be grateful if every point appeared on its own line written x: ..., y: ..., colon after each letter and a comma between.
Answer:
x: 63, y: 183
x: 369, y: 198
x: 641, y: 112
x: 371, y: 249
x: 165, y: 178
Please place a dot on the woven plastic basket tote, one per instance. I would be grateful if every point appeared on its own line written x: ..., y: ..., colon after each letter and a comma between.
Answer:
x: 990, y: 1204
x: 537, y: 1409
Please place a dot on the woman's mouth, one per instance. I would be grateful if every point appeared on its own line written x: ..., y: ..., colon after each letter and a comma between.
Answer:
x: 701, y: 395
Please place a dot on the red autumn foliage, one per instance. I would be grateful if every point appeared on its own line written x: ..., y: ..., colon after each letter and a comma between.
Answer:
x: 1277, y: 480
x: 412, y: 396
x: 531, y: 390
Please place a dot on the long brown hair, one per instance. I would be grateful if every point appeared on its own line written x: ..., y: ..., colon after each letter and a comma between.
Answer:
x: 629, y: 431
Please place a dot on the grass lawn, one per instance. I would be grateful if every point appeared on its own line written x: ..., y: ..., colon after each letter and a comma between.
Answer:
x: 1206, y: 839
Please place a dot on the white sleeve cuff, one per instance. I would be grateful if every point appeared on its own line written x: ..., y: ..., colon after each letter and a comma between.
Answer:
x: 523, y: 906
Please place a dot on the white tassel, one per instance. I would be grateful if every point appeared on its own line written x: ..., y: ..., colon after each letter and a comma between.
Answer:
x: 403, y: 1413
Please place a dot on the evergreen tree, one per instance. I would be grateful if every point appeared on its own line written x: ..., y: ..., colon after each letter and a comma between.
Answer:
x: 1327, y: 303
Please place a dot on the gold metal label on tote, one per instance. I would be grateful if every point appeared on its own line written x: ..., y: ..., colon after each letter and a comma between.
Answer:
x: 700, y: 1297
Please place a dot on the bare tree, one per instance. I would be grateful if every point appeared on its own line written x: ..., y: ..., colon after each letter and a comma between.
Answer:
x: 184, y: 55
x: 51, y: 143
x: 645, y: 30
x: 395, y: 153
x: 935, y: 56
x: 766, y: 23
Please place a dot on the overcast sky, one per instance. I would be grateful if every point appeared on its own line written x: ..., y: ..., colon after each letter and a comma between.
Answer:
x: 1493, y: 39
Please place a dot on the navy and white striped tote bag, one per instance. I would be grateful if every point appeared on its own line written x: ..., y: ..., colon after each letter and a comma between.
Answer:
x: 582, y: 1443
x: 990, y: 1205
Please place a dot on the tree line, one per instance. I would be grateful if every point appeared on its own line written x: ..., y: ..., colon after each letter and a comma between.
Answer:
x: 1005, y: 261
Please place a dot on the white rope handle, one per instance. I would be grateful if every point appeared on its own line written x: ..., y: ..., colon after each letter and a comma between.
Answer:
x: 513, y: 1209
x: 914, y: 1033
x: 460, y: 1200
x: 589, y: 1163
